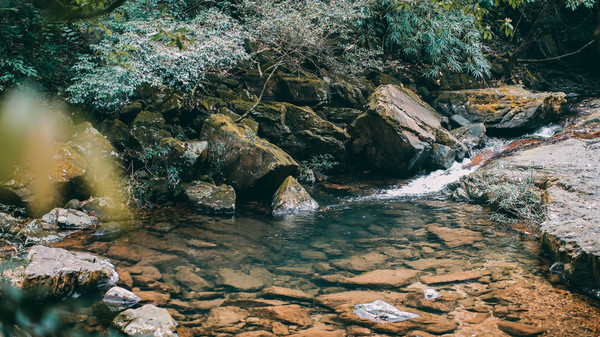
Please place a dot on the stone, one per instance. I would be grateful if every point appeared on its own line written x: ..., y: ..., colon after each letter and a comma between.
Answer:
x: 303, y: 90
x: 239, y: 280
x: 442, y: 157
x: 454, y: 277
x: 472, y: 135
x: 291, y: 198
x: 106, y: 209
x: 68, y: 218
x: 149, y: 321
x: 351, y: 298
x: 455, y: 237
x: 396, y: 132
x: 209, y: 198
x: 478, y: 317
x: 292, y: 314
x: 195, y: 151
x: 382, y: 312
x: 117, y: 133
x: 382, y: 278
x: 361, y: 262
x: 225, y: 316
x: 154, y: 297
x: 298, y: 130
x: 286, y: 293
x: 520, y: 329
x: 187, y: 277
x: 246, y: 161
x: 55, y: 272
x: 505, y: 109
x: 124, y: 252
x: 7, y: 222
x: 458, y: 121
x: 108, y: 231
x: 117, y: 299
x: 349, y: 91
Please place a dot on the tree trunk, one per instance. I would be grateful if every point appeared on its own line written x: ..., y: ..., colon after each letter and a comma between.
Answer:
x: 512, y: 60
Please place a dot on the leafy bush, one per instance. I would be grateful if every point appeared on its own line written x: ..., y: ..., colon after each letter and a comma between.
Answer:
x: 154, y: 49
x: 321, y: 163
x: 447, y: 38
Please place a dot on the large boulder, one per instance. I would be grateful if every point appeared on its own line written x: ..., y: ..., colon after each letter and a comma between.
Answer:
x: 472, y: 135
x: 299, y: 130
x: 245, y: 161
x: 397, y: 131
x: 511, y: 109
x: 57, y: 273
x: 68, y: 219
x: 147, y: 321
x: 306, y: 90
x: 292, y: 198
x: 209, y: 198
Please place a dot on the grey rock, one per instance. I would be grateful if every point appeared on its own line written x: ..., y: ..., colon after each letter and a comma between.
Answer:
x: 292, y: 198
x: 209, y: 198
x: 194, y: 150
x: 472, y: 135
x: 458, y: 121
x: 396, y: 132
x: 69, y: 218
x: 147, y: 321
x: 382, y: 312
x: 55, y: 272
x: 117, y: 299
x: 7, y: 221
x: 442, y: 157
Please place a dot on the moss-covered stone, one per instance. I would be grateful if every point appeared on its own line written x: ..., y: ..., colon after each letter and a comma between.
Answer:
x: 243, y: 159
x: 149, y: 119
x: 292, y: 198
x: 301, y: 90
x: 209, y: 198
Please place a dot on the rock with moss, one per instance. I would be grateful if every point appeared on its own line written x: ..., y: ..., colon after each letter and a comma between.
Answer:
x: 57, y: 273
x: 348, y: 91
x: 300, y: 131
x: 117, y: 133
x: 307, y: 89
x: 396, y: 133
x: 209, y: 198
x: 504, y: 110
x: 292, y: 198
x: 147, y: 321
x: 244, y: 160
x: 69, y: 219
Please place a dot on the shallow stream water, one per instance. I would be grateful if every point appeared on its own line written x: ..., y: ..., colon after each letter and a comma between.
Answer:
x: 211, y: 272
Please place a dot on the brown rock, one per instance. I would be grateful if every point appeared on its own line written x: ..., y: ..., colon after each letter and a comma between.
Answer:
x: 286, y: 293
x: 361, y: 262
x: 207, y: 305
x: 424, y: 264
x: 478, y: 318
x: 293, y: 314
x: 124, y: 277
x: 239, y: 280
x: 280, y: 329
x: 335, y: 300
x: 520, y: 329
x: 154, y: 297
x: 382, y: 278
x: 258, y: 333
x: 187, y: 277
x: 225, y: 316
x: 455, y: 237
x: 455, y: 277
x: 418, y: 333
x: 123, y: 252
x: 320, y: 330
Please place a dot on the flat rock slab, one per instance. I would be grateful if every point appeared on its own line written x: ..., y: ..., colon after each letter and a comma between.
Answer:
x: 225, y: 316
x: 381, y: 278
x: 209, y: 198
x: 240, y: 280
x: 55, y: 272
x: 520, y: 329
x: 455, y: 237
x: 293, y: 314
x: 351, y: 298
x: 149, y: 321
x: 454, y: 277
x: 286, y: 293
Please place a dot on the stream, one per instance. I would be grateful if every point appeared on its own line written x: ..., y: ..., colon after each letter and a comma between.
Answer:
x: 215, y: 275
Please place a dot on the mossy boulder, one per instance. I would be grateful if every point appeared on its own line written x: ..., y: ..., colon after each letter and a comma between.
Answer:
x: 504, y: 110
x: 149, y: 118
x: 209, y: 198
x: 255, y: 82
x: 292, y: 198
x: 299, y: 131
x: 306, y: 90
x: 396, y: 133
x: 170, y: 102
x: 117, y: 133
x: 347, y: 91
x: 245, y: 161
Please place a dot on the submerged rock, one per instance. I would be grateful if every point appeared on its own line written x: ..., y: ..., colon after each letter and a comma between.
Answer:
x: 209, y: 198
x: 292, y: 198
x: 246, y: 161
x: 69, y: 219
x: 147, y: 321
x: 118, y: 299
x: 55, y: 272
x: 509, y: 108
x: 382, y: 312
x: 396, y: 133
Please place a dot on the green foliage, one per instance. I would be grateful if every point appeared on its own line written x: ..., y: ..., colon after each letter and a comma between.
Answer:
x: 447, y: 37
x: 154, y: 49
x: 321, y: 163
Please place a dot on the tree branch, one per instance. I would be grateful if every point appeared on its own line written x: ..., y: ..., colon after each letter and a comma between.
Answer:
x: 560, y: 56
